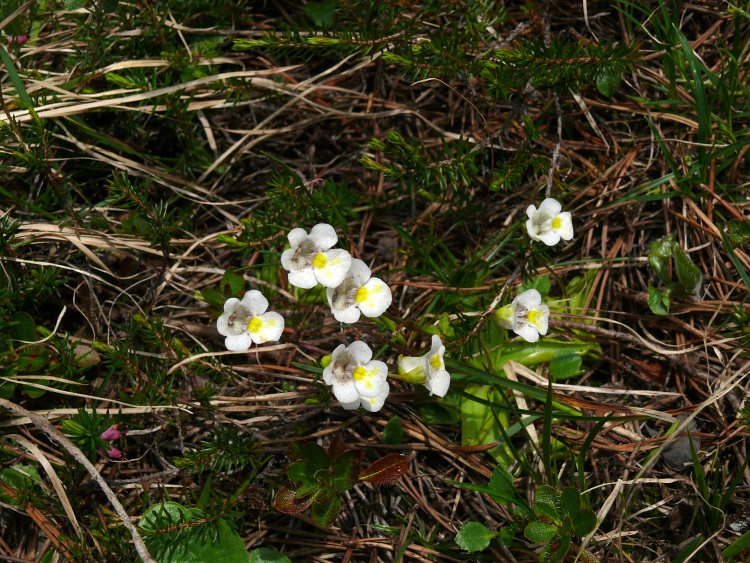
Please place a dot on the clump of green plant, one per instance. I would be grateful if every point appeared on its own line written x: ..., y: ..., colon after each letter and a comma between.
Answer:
x: 689, y: 277
x: 318, y: 477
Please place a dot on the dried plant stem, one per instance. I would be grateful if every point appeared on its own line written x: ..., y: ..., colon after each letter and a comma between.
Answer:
x: 45, y: 426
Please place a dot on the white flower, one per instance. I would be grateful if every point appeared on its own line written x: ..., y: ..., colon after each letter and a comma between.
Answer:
x: 358, y: 293
x: 246, y: 321
x: 548, y: 224
x: 356, y: 377
x: 309, y: 261
x: 429, y: 370
x: 527, y: 316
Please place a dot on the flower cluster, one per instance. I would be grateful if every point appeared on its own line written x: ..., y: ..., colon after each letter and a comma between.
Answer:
x: 355, y: 378
x: 112, y: 434
x: 549, y: 223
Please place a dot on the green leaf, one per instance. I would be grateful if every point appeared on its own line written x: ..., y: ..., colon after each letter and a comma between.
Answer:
x: 561, y: 549
x: 570, y: 502
x: 322, y: 13
x: 71, y: 5
x: 22, y: 326
x: 507, y: 535
x: 6, y: 389
x: 288, y: 501
x: 546, y: 510
x: 205, y: 542
x: 540, y: 532
x: 386, y: 470
x: 15, y: 78
x: 564, y: 364
x: 688, y: 273
x: 213, y: 297
x: 737, y: 547
x: 32, y: 360
x: 659, y: 255
x: 541, y: 284
x: 658, y: 300
x: 309, y: 452
x: 607, y: 82
x: 738, y: 232
x: 267, y: 555
x: 346, y: 468
x: 232, y: 284
x: 325, y: 513
x: 547, y: 494
x: 444, y: 412
x: 584, y: 522
x: 393, y: 433
x: 474, y: 537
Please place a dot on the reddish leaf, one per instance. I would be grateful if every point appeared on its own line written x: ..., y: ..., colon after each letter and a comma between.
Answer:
x: 337, y: 447
x: 288, y: 502
x: 386, y: 470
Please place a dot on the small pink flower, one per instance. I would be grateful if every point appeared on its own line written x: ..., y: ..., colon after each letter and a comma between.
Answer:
x: 114, y: 453
x: 17, y: 39
x: 111, y: 433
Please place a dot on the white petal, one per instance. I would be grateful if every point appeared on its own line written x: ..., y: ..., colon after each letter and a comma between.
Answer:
x: 438, y: 383
x: 528, y: 299
x: 349, y: 315
x: 296, y: 237
x: 359, y: 352
x: 331, y: 270
x: 286, y: 259
x: 222, y: 325
x: 359, y: 273
x: 527, y: 332
x: 351, y: 406
x: 270, y: 328
x: 328, y: 374
x: 531, y: 228
x: 374, y: 404
x: 255, y: 302
x: 370, y: 378
x: 304, y: 278
x: 374, y: 298
x: 238, y: 343
x: 324, y: 236
x: 566, y: 228
x: 530, y: 212
x: 550, y: 207
x: 437, y: 345
x: 345, y: 391
x: 550, y: 238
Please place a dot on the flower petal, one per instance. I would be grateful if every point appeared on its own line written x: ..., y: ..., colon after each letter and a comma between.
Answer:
x: 359, y: 352
x: 296, y: 237
x: 286, y: 258
x: 527, y: 332
x: 528, y: 299
x: 411, y: 363
x: 550, y: 238
x: 351, y: 406
x: 304, y: 278
x: 530, y: 212
x: 345, y: 391
x: 238, y: 342
x: 566, y: 228
x: 438, y: 383
x: 324, y: 236
x: 374, y: 404
x: 370, y: 378
x: 374, y: 297
x: 550, y: 207
x: 330, y: 267
x: 266, y: 328
x: 255, y: 302
x: 348, y: 315
x: 359, y: 272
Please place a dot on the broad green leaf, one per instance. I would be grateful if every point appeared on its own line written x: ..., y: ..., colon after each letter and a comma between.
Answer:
x: 659, y: 256
x: 232, y: 284
x: 584, y: 522
x: 570, y: 502
x: 32, y: 360
x: 346, y: 469
x: 267, y: 555
x: 386, y: 470
x: 35, y: 392
x: 559, y: 551
x: 540, y: 532
x: 322, y: 13
x: 474, y: 537
x: 212, y: 297
x: 501, y: 482
x: 309, y: 452
x: 507, y: 535
x: 480, y: 426
x: 658, y: 300
x: 205, y: 542
x: 530, y: 354
x: 607, y: 82
x: 6, y: 389
x: 688, y: 273
x: 546, y: 510
x: 325, y: 513
x: 541, y: 284
x: 393, y: 433
x: 738, y: 546
x: 22, y: 326
x: 546, y: 494
x: 288, y: 501
x: 564, y: 364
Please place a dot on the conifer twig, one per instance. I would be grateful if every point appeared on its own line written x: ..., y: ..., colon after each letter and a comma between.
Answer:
x: 45, y: 426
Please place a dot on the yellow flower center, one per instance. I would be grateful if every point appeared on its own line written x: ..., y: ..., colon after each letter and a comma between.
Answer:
x: 435, y: 362
x: 360, y: 373
x: 362, y: 295
x: 556, y: 223
x: 254, y: 324
x: 535, y: 317
x: 320, y: 261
